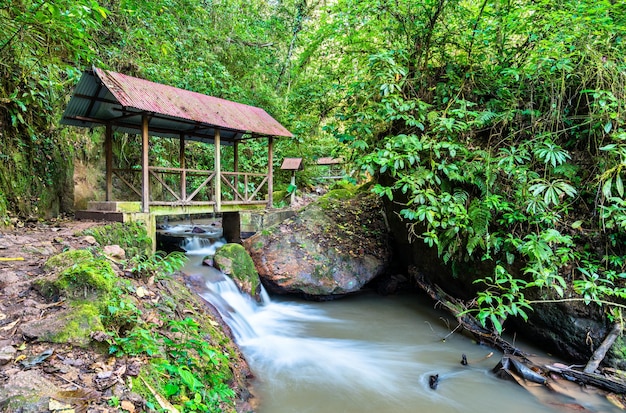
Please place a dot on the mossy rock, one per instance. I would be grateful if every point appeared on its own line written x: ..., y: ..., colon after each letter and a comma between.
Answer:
x: 234, y: 261
x: 73, y: 325
x: 66, y: 259
x: 334, y: 197
x: 280, y: 195
x: 87, y: 279
x: 26, y: 391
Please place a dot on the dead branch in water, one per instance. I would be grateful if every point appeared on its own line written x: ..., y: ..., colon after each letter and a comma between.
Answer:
x: 468, y: 322
x: 600, y: 352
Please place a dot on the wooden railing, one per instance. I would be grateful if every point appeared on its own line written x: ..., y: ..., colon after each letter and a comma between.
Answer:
x: 181, y: 186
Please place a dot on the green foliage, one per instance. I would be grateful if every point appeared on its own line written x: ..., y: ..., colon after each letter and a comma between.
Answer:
x: 87, y: 278
x: 186, y: 360
x: 120, y: 313
x: 41, y: 44
x: 131, y: 236
x: 498, y: 127
x: 194, y: 373
x: 158, y: 264
x: 499, y: 139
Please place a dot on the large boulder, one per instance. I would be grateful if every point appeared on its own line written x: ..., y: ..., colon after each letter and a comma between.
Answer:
x: 331, y: 248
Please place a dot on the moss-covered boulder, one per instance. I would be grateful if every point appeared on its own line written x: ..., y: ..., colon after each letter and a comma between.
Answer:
x: 76, y: 274
x: 234, y: 261
x: 331, y: 248
x: 66, y: 259
x: 73, y: 325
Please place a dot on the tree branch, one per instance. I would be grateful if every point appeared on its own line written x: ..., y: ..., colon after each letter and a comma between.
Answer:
x: 600, y: 352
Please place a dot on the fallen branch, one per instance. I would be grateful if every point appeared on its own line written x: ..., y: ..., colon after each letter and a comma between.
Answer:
x: 457, y: 308
x: 593, y: 379
x: 600, y: 352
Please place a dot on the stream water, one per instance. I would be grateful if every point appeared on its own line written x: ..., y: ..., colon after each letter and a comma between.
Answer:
x: 365, y: 353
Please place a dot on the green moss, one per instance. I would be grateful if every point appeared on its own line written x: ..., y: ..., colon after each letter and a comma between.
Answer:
x: 344, y: 184
x: 280, y: 195
x: 80, y: 322
x: 66, y: 259
x: 618, y: 352
x: 340, y: 194
x: 233, y: 260
x: 332, y: 198
x: 93, y: 277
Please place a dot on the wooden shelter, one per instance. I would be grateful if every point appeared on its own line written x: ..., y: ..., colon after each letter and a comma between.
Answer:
x: 126, y: 104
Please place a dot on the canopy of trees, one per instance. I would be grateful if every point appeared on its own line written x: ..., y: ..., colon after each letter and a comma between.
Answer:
x: 496, y: 125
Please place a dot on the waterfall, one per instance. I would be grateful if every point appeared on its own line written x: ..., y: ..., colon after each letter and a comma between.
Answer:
x: 204, y: 246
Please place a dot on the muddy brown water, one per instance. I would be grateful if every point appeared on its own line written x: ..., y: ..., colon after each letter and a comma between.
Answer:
x: 369, y: 353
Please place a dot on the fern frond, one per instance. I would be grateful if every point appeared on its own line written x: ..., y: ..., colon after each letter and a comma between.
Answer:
x: 480, y: 216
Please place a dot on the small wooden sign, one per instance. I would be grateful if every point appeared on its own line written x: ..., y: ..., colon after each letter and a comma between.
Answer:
x: 291, y: 164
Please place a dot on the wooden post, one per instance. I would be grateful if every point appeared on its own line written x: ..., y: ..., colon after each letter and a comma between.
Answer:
x: 293, y: 186
x: 270, y: 171
x: 236, y: 156
x: 183, y: 172
x: 218, y: 172
x: 108, y: 149
x: 145, y: 173
x: 236, y: 164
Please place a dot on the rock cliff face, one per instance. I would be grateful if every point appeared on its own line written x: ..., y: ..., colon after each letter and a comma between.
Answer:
x: 331, y: 248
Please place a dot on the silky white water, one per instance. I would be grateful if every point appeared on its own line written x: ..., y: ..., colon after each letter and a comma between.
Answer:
x: 364, y: 353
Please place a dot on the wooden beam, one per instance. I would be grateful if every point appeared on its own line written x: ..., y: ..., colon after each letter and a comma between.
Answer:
x: 236, y: 164
x: 132, y: 126
x: 218, y: 172
x: 183, y: 172
x: 270, y: 171
x: 145, y: 173
x: 108, y: 150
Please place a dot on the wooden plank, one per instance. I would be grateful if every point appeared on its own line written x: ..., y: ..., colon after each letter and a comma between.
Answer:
x: 206, y: 181
x: 218, y: 171
x: 266, y: 179
x: 166, y: 186
x: 127, y: 183
x: 231, y: 186
x: 108, y: 153
x: 183, y: 171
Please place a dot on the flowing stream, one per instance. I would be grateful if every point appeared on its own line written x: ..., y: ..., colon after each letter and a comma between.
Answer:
x: 365, y: 353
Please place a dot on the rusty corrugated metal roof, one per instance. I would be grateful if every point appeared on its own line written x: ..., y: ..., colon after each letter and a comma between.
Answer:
x: 103, y: 96
x: 329, y: 161
x: 291, y: 164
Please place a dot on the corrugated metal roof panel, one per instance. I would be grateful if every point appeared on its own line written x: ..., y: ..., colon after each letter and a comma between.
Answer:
x: 114, y: 97
x: 291, y: 164
x: 329, y: 161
